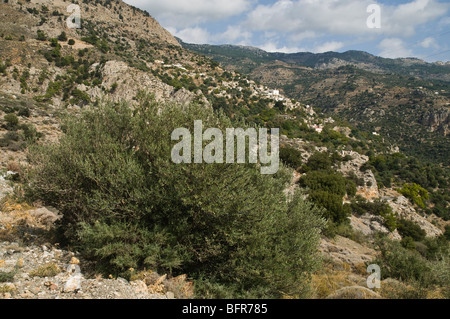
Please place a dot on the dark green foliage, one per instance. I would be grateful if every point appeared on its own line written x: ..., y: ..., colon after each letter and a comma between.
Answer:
x: 30, y: 133
x: 421, y: 264
x: 336, y: 211
x: 11, y: 121
x: 328, y: 181
x: 7, y: 276
x: 62, y: 37
x: 291, y: 156
x: 408, y: 228
x: 41, y: 36
x: 447, y: 232
x: 361, y: 206
x: 80, y: 97
x: 400, y: 263
x: 318, y: 161
x: 2, y: 68
x: 71, y: 42
x: 327, y: 188
x: 126, y: 204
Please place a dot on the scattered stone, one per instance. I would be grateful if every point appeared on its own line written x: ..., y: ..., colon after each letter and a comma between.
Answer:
x: 170, y: 295
x: 73, y: 284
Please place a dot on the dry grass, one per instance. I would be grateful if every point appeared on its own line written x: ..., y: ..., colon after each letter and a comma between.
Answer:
x: 48, y: 270
x: 157, y: 284
x: 329, y: 279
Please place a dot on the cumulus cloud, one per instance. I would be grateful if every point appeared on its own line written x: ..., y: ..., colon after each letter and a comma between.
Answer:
x: 195, y: 35
x: 328, y: 46
x: 394, y: 48
x: 429, y: 43
x: 274, y: 47
x: 344, y: 17
x: 235, y: 34
x: 183, y: 14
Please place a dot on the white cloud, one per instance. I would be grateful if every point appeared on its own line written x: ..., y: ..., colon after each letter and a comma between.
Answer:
x: 394, y: 48
x: 328, y: 46
x: 273, y: 47
x: 429, y: 43
x: 235, y: 34
x: 183, y: 13
x: 343, y: 17
x: 192, y: 35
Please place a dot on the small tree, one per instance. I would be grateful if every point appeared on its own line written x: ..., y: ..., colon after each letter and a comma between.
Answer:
x: 41, y: 35
x: 62, y: 37
x: 11, y: 120
x: 416, y: 193
x: 126, y: 204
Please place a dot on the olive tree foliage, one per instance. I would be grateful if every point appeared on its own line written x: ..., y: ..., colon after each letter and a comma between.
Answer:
x: 125, y: 204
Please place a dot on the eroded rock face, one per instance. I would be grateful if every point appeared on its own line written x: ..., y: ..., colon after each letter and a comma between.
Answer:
x: 437, y: 120
x: 370, y: 189
x: 346, y: 251
x: 125, y: 82
x: 369, y: 225
x: 403, y: 207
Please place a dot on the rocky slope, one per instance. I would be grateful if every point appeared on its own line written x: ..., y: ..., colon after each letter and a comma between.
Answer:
x: 372, y: 93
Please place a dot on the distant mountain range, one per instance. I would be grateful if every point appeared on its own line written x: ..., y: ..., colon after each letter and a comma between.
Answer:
x: 247, y: 58
x: 407, y: 100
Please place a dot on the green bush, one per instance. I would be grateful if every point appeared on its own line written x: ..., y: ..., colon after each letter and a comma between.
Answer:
x: 291, y: 157
x: 7, y: 276
x: 328, y: 181
x: 408, y: 228
x: 361, y: 206
x: 41, y: 36
x: 11, y: 120
x: 336, y: 211
x: 126, y: 204
x: 62, y: 37
x: 417, y: 194
x: 318, y: 161
x: 401, y: 263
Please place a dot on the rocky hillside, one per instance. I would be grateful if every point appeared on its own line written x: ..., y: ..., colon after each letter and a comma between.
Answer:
x: 372, y: 93
x: 48, y: 71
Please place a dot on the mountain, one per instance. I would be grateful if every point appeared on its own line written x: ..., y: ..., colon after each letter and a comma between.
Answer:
x: 407, y: 100
x: 246, y: 59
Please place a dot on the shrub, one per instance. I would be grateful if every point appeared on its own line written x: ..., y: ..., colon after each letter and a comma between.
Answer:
x: 71, y: 42
x: 361, y: 206
x: 11, y: 120
x: 7, y: 276
x: 47, y: 270
x: 41, y: 35
x: 3, y: 68
x: 336, y: 211
x: 126, y: 204
x: 291, y: 156
x: 400, y: 263
x: 417, y: 194
x: 318, y: 161
x: 408, y: 228
x: 328, y: 181
x: 62, y: 37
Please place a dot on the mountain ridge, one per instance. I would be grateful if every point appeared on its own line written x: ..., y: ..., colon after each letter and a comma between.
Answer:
x: 326, y: 60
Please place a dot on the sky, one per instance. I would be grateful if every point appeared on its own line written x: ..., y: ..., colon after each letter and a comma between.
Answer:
x: 391, y: 29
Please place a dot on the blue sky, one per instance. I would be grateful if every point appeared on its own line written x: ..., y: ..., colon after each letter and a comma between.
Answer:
x: 407, y: 28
